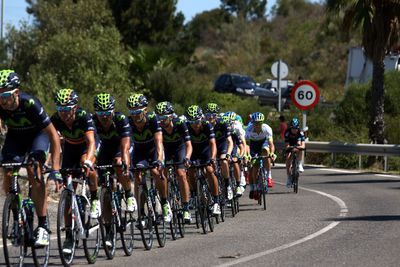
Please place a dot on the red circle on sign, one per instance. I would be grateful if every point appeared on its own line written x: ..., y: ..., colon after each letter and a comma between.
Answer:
x: 302, y: 85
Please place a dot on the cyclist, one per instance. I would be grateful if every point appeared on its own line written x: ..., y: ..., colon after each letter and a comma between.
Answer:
x: 224, y: 142
x: 81, y: 144
x: 238, y: 150
x: 177, y: 147
x: 259, y: 138
x: 204, y: 150
x: 294, y: 137
x: 115, y: 135
x: 29, y: 131
x: 148, y: 146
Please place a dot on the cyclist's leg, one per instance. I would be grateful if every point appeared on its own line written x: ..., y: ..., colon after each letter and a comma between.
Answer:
x: 138, y: 159
x: 267, y: 164
x: 179, y: 156
x: 288, y: 167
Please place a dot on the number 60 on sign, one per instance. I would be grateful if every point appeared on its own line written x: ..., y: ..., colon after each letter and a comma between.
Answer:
x: 305, y: 95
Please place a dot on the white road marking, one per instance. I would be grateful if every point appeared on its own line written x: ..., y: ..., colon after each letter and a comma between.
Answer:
x: 343, y: 213
x: 388, y: 175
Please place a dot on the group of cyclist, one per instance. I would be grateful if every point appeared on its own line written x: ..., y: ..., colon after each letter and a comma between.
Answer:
x: 141, y: 139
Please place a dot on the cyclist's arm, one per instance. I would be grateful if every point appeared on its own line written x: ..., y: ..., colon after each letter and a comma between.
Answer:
x: 301, y: 144
x: 125, y: 146
x: 159, y: 145
x: 55, y: 146
x: 230, y: 145
x: 242, y: 149
x: 271, y: 145
x: 244, y: 145
x: 91, y: 143
x: 213, y: 146
x: 189, y: 149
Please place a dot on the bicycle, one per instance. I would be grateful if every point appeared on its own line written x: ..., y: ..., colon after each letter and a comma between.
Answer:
x: 235, y: 199
x: 149, y: 215
x: 221, y: 193
x: 294, y: 172
x: 204, y: 200
x: 119, y: 219
x: 74, y: 221
x: 174, y: 199
x: 262, y: 184
x: 18, y: 222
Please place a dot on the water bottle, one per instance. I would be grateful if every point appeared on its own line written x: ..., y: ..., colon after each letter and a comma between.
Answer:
x: 81, y: 204
x: 29, y: 211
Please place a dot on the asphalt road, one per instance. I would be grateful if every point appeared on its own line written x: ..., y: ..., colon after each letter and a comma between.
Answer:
x: 338, y: 218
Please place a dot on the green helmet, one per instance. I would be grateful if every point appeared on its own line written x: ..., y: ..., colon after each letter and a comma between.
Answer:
x: 212, y: 108
x: 136, y: 101
x: 229, y: 117
x: 193, y: 113
x: 104, y: 102
x: 164, y: 108
x: 9, y: 79
x: 66, y: 97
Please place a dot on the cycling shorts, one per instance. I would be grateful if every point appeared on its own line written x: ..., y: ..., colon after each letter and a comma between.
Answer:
x: 176, y: 154
x: 202, y: 154
x: 17, y: 146
x: 222, y: 147
x: 144, y: 157
x: 257, y: 147
x: 72, y: 154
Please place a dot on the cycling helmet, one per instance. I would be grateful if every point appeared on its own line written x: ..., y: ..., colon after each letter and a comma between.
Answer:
x: 164, y: 108
x: 103, y: 102
x: 66, y: 97
x: 294, y: 123
x: 211, y: 108
x: 137, y: 101
x: 257, y: 117
x: 193, y: 113
x: 230, y: 115
x: 239, y: 118
x: 9, y: 79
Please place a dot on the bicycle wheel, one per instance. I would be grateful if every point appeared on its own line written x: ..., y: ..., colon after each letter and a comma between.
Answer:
x: 127, y: 229
x: 66, y: 235
x: 234, y: 197
x: 145, y: 221
x: 91, y: 242
x: 222, y: 200
x: 108, y: 222
x: 263, y: 179
x: 41, y: 254
x: 159, y: 223
x: 173, y: 225
x: 181, y: 222
x: 197, y: 212
x: 12, y: 233
x: 210, y: 216
x: 202, y: 206
x: 294, y: 175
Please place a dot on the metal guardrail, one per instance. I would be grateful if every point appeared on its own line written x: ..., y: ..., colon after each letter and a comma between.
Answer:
x: 385, y: 150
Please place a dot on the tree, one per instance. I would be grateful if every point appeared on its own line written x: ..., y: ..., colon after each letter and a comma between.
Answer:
x: 247, y: 9
x: 379, y: 23
x: 72, y: 45
x: 147, y: 21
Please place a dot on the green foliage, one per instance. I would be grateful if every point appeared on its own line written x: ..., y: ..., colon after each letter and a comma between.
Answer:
x: 247, y: 9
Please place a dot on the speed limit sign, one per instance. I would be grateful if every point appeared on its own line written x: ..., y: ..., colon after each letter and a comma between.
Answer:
x: 305, y: 95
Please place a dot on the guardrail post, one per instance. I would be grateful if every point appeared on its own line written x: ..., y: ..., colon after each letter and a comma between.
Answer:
x: 386, y: 168
x: 359, y: 162
x: 332, y: 159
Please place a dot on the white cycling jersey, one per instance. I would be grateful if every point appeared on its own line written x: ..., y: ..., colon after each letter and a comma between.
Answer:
x: 238, y: 128
x: 265, y: 133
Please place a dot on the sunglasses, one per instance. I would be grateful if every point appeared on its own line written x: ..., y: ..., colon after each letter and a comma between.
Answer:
x: 7, y: 94
x: 64, y: 108
x: 194, y: 122
x: 135, y: 112
x: 211, y: 114
x: 165, y: 117
x: 104, y: 113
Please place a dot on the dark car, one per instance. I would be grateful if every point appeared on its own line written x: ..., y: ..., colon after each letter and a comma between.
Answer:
x: 244, y: 85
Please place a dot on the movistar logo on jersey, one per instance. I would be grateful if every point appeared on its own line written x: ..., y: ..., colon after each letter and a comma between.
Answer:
x: 199, y: 138
x: 22, y: 122
x: 218, y: 134
x: 108, y: 136
x: 83, y: 112
x: 120, y: 118
x: 76, y: 134
x: 147, y: 134
x: 29, y: 103
x: 175, y: 137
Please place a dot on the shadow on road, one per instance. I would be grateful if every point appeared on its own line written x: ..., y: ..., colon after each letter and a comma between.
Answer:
x: 375, y: 181
x: 374, y: 218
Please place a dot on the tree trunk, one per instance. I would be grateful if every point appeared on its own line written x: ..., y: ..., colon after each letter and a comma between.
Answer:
x: 377, y: 110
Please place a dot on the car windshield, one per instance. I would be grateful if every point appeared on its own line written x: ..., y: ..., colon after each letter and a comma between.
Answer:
x: 243, y: 80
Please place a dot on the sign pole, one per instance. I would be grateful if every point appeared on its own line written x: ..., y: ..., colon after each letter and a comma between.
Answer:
x: 279, y: 86
x: 304, y: 119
